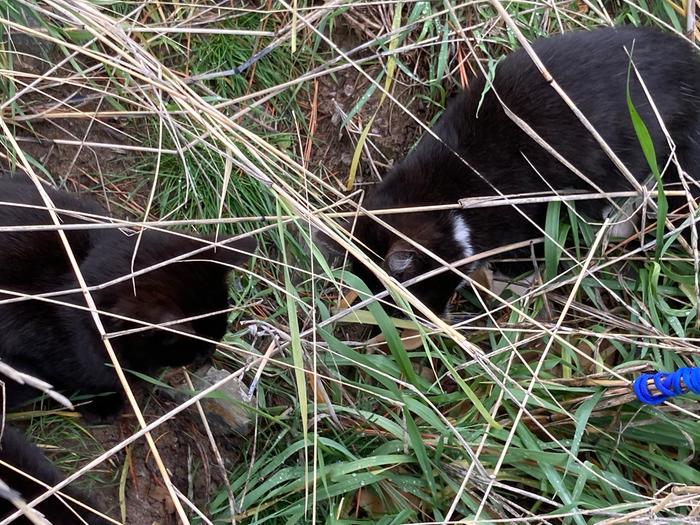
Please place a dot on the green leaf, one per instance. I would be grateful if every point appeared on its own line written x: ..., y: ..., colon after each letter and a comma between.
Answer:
x: 297, y: 351
x: 647, y: 146
x: 552, y: 252
x: 581, y: 418
x: 418, y: 448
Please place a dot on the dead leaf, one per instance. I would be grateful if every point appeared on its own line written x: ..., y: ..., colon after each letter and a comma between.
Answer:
x: 483, y: 276
x: 410, y: 338
x: 345, y: 300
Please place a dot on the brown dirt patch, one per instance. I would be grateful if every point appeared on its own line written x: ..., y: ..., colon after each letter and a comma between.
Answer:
x: 186, y: 453
x: 63, y: 128
x: 393, y: 132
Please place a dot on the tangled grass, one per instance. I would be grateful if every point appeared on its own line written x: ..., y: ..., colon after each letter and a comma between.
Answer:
x: 216, y: 114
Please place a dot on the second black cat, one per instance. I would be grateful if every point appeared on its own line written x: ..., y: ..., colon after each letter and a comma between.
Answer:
x: 480, y: 151
x: 172, y: 280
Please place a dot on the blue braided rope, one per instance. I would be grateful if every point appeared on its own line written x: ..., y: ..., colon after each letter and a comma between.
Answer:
x: 668, y: 384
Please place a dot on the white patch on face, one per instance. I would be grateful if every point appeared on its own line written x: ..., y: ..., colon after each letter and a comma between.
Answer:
x: 462, y: 235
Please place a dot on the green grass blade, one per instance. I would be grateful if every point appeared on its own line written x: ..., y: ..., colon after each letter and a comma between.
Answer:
x: 647, y: 146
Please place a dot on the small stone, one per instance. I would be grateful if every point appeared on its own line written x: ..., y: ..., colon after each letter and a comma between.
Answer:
x: 226, y: 410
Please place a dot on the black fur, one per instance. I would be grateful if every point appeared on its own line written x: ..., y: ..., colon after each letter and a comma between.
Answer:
x: 17, y: 451
x: 59, y: 343
x: 592, y: 68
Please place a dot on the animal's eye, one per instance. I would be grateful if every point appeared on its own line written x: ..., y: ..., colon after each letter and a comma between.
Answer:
x: 399, y: 262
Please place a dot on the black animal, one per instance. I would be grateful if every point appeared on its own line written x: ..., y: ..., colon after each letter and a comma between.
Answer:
x: 55, y: 338
x: 592, y: 68
x: 18, y: 452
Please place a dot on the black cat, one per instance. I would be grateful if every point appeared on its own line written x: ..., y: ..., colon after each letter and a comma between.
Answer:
x: 18, y: 452
x: 592, y: 69
x: 55, y: 338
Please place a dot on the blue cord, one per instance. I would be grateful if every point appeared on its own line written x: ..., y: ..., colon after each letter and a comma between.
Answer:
x: 668, y: 384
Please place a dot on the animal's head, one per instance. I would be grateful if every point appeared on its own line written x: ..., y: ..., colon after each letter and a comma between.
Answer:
x: 431, y: 175
x: 185, y: 292
x: 403, y: 246
x: 406, y: 253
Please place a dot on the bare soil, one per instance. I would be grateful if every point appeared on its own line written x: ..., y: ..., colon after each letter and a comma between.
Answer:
x: 184, y: 448
x: 393, y: 131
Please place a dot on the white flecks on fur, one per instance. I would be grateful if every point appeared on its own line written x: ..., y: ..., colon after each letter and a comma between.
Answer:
x: 463, y: 238
x: 462, y: 235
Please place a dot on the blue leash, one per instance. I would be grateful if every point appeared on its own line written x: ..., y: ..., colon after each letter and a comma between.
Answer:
x: 668, y: 385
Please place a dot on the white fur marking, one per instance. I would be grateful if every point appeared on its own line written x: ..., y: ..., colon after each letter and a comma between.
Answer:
x: 624, y: 229
x: 462, y: 235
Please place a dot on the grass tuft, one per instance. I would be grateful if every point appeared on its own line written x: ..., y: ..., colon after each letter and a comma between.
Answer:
x: 512, y: 412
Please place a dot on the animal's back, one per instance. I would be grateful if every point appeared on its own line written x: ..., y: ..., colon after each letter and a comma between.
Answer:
x: 593, y: 70
x: 32, y: 260
x: 591, y: 67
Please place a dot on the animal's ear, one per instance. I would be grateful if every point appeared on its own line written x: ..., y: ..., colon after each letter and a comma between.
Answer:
x: 233, y: 252
x: 403, y: 261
